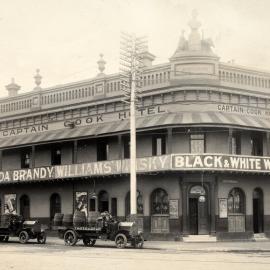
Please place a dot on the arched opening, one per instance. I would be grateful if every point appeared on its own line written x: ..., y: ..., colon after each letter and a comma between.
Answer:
x: 25, y: 206
x: 159, y: 206
x: 103, y: 201
x: 258, y: 211
x: 139, y: 203
x: 198, y: 210
x: 55, y: 205
x: 236, y: 210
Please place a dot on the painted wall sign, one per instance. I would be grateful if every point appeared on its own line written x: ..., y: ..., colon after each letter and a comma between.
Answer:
x: 53, y: 124
x: 174, y: 162
x: 216, y: 162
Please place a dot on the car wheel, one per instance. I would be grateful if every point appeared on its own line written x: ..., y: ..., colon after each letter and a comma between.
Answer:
x: 23, y: 237
x: 2, y: 238
x: 89, y: 242
x: 70, y: 238
x: 41, y: 238
x: 120, y: 240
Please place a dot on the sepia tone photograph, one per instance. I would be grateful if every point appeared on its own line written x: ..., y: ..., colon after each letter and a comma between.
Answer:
x: 134, y: 134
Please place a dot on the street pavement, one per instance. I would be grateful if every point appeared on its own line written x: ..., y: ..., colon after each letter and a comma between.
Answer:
x: 155, y: 255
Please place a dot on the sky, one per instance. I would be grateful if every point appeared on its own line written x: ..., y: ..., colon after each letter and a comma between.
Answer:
x: 63, y: 38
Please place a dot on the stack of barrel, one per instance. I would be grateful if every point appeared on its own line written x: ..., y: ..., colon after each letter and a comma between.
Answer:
x: 77, y: 220
x: 92, y: 218
x: 5, y: 220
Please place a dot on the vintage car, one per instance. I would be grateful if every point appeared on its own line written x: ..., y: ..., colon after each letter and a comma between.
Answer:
x: 15, y: 226
x: 103, y: 228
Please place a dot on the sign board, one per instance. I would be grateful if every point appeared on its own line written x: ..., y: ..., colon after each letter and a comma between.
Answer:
x: 217, y: 162
x: 10, y: 201
x: 173, y: 208
x: 223, y: 207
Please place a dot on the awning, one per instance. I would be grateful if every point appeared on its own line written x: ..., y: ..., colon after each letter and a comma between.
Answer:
x: 142, y: 123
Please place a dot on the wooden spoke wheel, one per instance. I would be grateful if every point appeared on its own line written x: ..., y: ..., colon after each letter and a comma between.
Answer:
x: 70, y: 238
x: 23, y: 237
x: 41, y: 238
x: 120, y: 240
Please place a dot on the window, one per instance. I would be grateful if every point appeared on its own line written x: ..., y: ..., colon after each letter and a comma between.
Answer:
x: 197, y: 143
x: 236, y: 144
x: 159, y: 145
x: 103, y: 149
x: 159, y: 202
x: 25, y: 159
x: 256, y: 145
x: 92, y: 204
x: 126, y: 148
x: 55, y: 204
x: 56, y: 155
x: 114, y: 207
x: 236, y: 201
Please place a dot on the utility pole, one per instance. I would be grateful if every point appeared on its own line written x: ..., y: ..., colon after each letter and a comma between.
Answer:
x: 131, y: 69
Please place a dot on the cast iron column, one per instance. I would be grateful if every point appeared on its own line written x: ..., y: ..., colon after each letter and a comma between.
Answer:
x: 75, y: 152
x: 184, y: 209
x: 169, y: 147
x: 33, y: 157
x: 213, y: 207
x: 1, y: 159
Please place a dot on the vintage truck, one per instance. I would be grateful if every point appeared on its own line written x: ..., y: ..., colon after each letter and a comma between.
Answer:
x: 104, y: 228
x: 15, y: 226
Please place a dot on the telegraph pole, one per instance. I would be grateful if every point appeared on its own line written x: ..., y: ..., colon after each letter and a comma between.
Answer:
x: 131, y: 67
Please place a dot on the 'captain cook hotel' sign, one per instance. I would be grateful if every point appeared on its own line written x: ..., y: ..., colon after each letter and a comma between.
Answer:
x: 173, y: 162
x: 52, y: 124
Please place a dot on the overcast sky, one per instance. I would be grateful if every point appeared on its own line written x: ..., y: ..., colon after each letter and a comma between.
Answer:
x: 65, y: 37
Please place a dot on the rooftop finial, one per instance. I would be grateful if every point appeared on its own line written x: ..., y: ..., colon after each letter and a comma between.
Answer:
x: 194, y: 37
x: 37, y: 78
x: 13, y: 88
x: 194, y: 23
x: 101, y: 64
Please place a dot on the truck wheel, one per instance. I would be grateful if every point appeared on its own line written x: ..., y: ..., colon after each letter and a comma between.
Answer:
x: 41, y: 238
x: 140, y: 242
x: 23, y: 237
x: 120, y: 240
x: 6, y: 238
x: 89, y: 242
x: 70, y: 238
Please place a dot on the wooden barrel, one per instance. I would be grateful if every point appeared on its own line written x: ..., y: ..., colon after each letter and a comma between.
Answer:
x: 67, y: 220
x: 92, y: 218
x: 58, y: 219
x: 79, y: 219
x: 5, y: 220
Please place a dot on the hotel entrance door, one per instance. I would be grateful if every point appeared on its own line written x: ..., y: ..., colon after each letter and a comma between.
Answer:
x: 198, y: 211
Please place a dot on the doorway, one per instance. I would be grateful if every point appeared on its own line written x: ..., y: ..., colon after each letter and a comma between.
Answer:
x: 25, y: 206
x: 198, y: 211
x: 258, y: 211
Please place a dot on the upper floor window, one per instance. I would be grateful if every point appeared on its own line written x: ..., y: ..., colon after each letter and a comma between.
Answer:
x: 256, y: 142
x: 25, y: 159
x: 103, y: 149
x: 197, y: 143
x: 159, y: 145
x: 236, y: 144
x: 56, y: 155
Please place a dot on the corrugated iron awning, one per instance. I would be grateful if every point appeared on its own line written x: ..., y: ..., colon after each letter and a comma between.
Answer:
x: 155, y: 121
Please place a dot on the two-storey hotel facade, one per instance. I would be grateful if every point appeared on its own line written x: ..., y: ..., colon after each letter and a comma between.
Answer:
x: 203, y: 146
